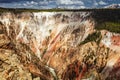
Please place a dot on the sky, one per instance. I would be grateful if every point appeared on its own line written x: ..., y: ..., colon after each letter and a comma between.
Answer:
x: 48, y: 4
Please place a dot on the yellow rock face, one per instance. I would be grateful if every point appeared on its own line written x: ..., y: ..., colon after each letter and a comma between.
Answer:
x: 56, y: 46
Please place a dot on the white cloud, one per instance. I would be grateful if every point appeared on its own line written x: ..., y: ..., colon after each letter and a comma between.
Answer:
x: 39, y: 4
x: 31, y: 3
x: 28, y: 4
x: 71, y: 7
x: 102, y: 3
x: 95, y: 3
x: 24, y: 4
x: 70, y: 2
x: 43, y: 2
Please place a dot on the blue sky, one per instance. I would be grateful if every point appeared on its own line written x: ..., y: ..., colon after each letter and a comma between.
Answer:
x: 45, y: 4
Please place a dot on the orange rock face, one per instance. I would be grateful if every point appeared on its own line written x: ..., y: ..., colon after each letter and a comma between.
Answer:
x: 116, y: 40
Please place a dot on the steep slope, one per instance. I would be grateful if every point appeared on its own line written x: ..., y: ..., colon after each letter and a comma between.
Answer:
x: 56, y: 45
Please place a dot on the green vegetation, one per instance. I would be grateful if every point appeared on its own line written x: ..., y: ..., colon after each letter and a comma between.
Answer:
x: 107, y: 20
x: 110, y: 26
x: 96, y: 36
x: 52, y: 10
x: 39, y: 10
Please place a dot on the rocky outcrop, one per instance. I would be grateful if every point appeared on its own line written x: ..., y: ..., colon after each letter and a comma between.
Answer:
x: 56, y: 45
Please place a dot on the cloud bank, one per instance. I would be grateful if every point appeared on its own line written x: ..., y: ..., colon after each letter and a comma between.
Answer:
x: 48, y: 4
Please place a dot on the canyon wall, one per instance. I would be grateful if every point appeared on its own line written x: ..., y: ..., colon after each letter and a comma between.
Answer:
x: 56, y: 46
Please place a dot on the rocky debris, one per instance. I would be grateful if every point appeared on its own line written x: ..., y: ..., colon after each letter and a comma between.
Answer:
x: 93, y: 58
x: 115, y: 72
x: 18, y: 62
x: 111, y: 40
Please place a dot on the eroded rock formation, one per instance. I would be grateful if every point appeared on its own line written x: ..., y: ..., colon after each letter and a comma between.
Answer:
x: 56, y: 46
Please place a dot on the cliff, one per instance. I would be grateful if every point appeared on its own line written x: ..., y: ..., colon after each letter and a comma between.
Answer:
x: 59, y: 45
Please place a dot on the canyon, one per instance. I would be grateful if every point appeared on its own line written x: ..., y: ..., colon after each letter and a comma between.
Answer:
x: 57, y: 46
